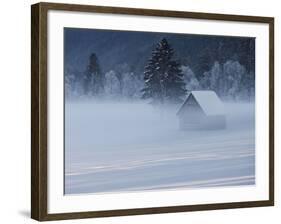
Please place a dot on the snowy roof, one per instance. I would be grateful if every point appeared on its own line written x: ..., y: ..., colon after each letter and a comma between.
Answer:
x: 208, y: 101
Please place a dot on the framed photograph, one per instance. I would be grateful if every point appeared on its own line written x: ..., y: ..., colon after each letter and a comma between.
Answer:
x: 139, y: 111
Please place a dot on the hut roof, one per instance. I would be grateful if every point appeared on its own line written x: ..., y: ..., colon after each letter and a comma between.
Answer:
x: 208, y: 101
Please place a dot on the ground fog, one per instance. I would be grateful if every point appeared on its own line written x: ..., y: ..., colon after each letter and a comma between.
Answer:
x: 123, y: 147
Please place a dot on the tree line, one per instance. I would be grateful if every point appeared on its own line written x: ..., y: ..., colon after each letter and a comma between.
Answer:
x: 165, y: 78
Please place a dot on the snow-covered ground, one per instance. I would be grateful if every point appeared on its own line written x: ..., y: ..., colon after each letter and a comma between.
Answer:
x: 120, y: 147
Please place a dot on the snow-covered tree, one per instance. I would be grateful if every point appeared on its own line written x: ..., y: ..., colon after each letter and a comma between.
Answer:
x: 131, y: 85
x: 72, y: 81
x: 190, y: 78
x: 214, y: 79
x: 122, y: 84
x: 93, y: 81
x: 229, y: 80
x: 112, y: 85
x: 121, y: 71
x: 163, y: 76
x: 234, y: 72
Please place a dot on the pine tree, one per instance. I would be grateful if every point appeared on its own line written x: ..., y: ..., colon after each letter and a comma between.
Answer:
x: 163, y: 76
x: 93, y: 82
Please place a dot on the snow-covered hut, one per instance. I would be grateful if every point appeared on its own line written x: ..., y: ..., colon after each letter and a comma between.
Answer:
x: 202, y: 110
